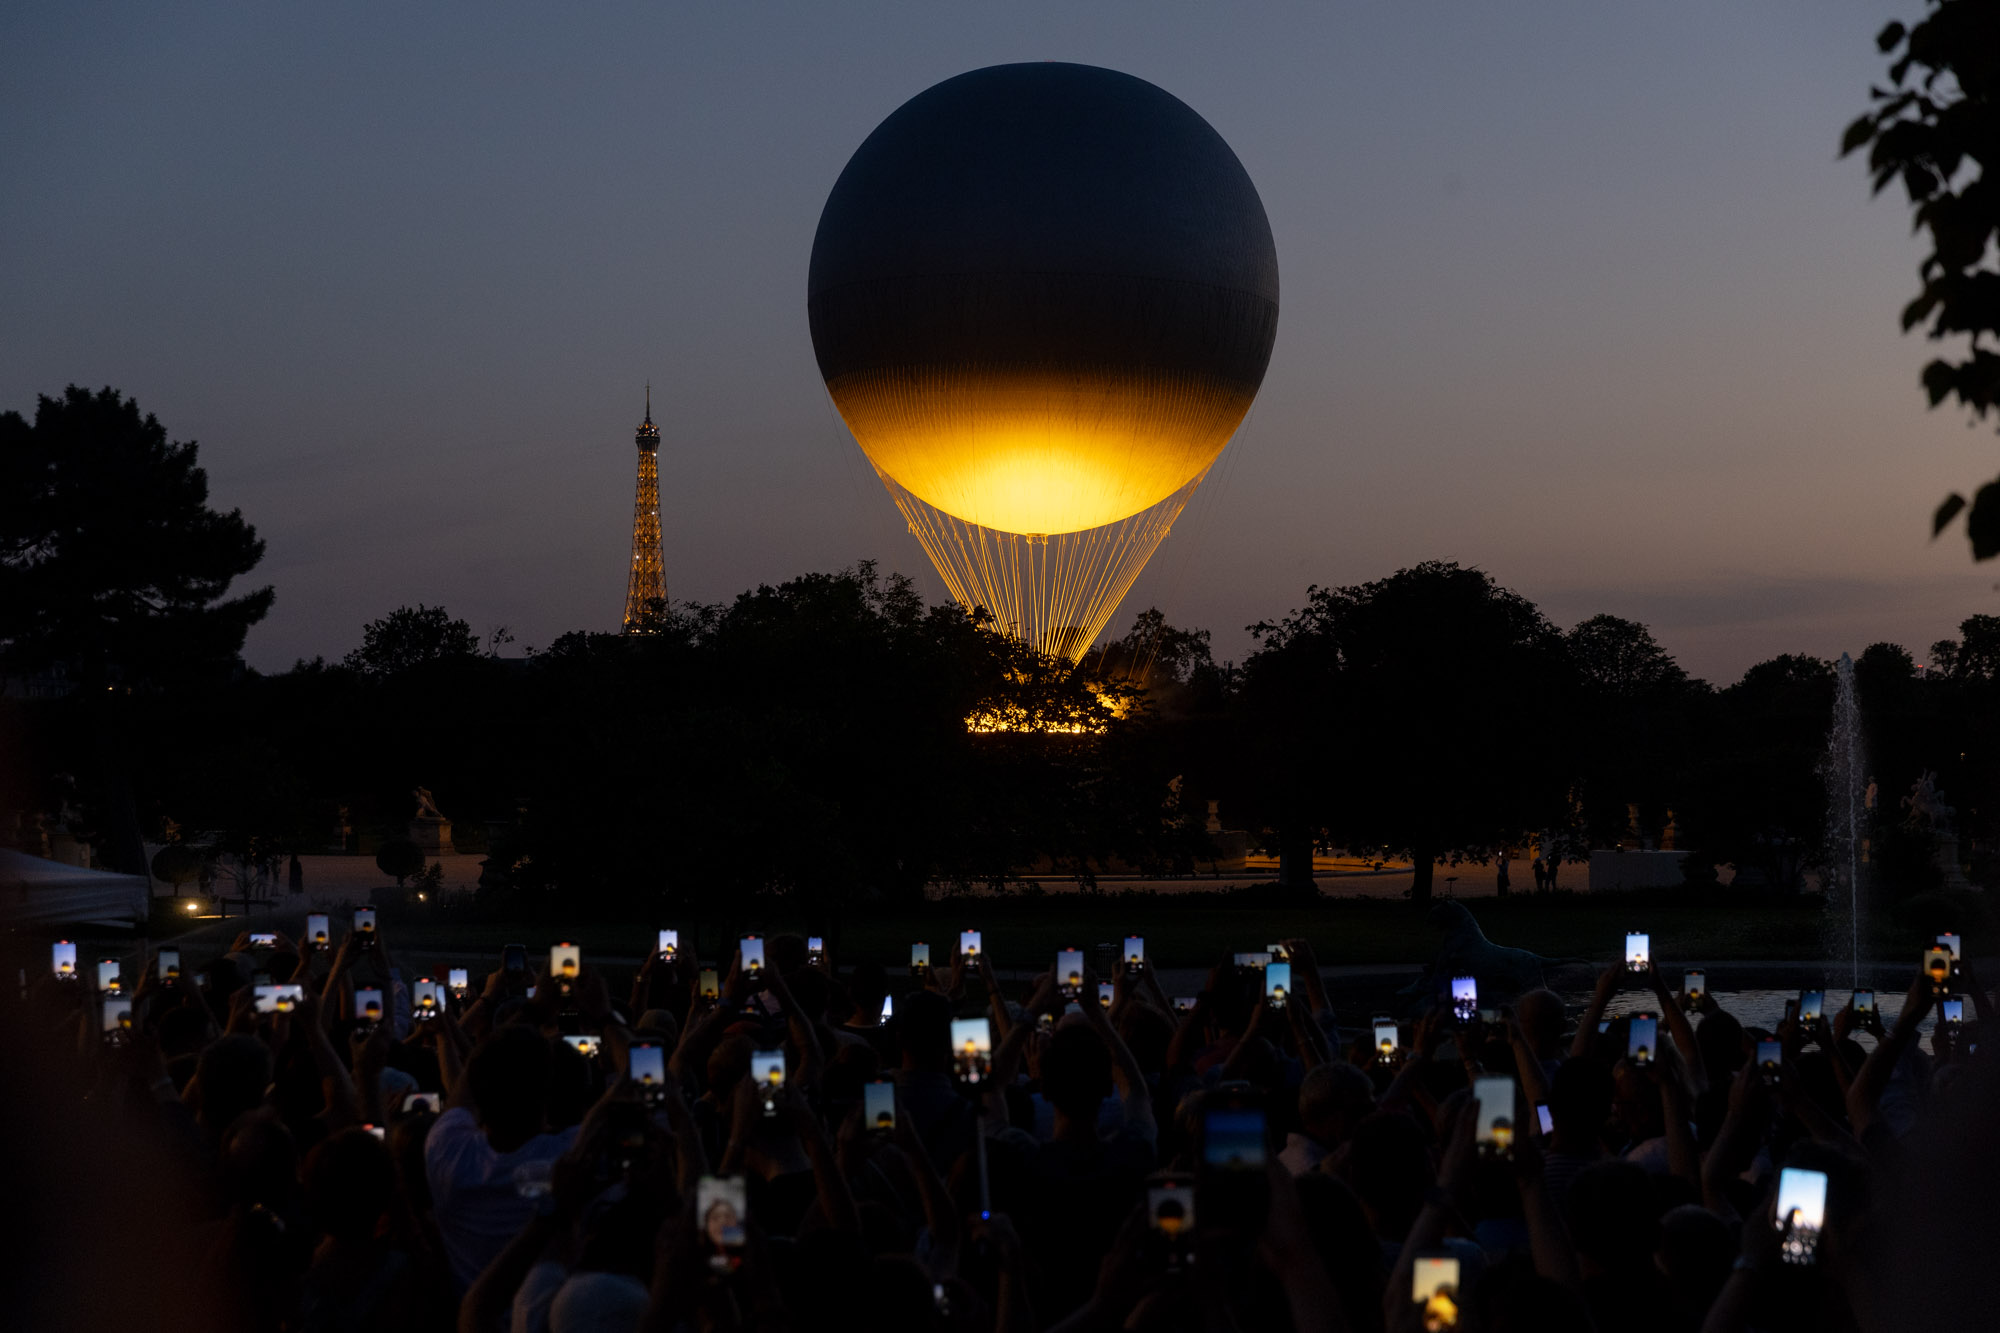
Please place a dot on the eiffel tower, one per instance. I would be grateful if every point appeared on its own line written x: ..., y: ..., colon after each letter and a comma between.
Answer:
x: 646, y: 593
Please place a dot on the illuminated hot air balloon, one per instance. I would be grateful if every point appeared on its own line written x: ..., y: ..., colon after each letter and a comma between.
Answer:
x: 1043, y: 297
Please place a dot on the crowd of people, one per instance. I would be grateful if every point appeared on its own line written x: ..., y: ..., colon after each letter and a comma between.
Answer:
x: 789, y: 1144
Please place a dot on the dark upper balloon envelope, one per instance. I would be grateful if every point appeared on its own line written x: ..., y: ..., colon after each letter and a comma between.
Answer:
x: 1043, y: 296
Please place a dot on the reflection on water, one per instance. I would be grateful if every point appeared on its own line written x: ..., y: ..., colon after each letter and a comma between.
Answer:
x: 1753, y: 1008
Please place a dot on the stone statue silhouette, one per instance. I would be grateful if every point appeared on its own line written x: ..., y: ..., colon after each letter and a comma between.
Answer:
x: 426, y: 807
x: 1926, y: 803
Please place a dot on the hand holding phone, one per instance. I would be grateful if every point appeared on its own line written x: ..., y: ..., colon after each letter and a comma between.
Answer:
x: 364, y: 927
x: 750, y: 949
x: 878, y: 1107
x: 971, y: 1050
x: 1277, y: 984
x: 1800, y: 1213
x: 1638, y: 952
x: 1494, y: 1131
x: 1387, y: 1039
x: 1642, y: 1038
x: 1069, y: 973
x: 1135, y: 954
x: 646, y: 1065
x: 1465, y: 998
x: 1434, y: 1289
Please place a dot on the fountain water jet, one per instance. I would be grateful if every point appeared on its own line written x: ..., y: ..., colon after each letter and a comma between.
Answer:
x: 1846, y: 812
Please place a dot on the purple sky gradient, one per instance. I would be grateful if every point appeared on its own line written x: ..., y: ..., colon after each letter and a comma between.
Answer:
x: 1581, y: 297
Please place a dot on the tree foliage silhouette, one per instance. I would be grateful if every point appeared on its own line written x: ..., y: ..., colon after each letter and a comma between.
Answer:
x: 1445, y: 698
x: 112, y: 564
x: 1935, y: 128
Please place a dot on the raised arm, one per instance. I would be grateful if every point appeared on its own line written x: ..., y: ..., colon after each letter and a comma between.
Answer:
x: 1864, y: 1094
x: 1586, y: 1028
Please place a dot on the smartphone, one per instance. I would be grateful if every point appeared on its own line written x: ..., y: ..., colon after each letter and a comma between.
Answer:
x: 1495, y: 1128
x: 1277, y: 984
x: 459, y: 980
x: 1170, y: 1214
x: 364, y: 927
x: 170, y: 964
x: 878, y: 1107
x: 1465, y: 998
x: 107, y: 974
x: 424, y: 999
x: 646, y: 1065
x: 1937, y: 962
x: 1489, y: 1015
x: 1069, y: 973
x: 1864, y: 1004
x: 1770, y: 1058
x: 1801, y: 1213
x: 815, y: 951
x: 1232, y: 1188
x: 584, y: 1043
x: 1434, y: 1288
x: 1694, y: 985
x: 1950, y: 941
x: 263, y: 939
x: 752, y: 951
x: 968, y: 943
x: 710, y: 985
x: 1278, y: 953
x: 723, y: 1206
x: 1544, y: 1120
x: 1262, y: 959
x: 1386, y: 1040
x: 117, y: 1019
x: 319, y: 931
x: 1642, y: 1038
x: 1106, y: 993
x: 1812, y: 1005
x: 1135, y: 954
x: 1638, y: 951
x: 888, y: 1007
x: 423, y: 1101
x: 278, y: 998
x: 767, y: 1071
x: 368, y: 1004
x: 670, y: 944
x: 971, y: 1049
x: 62, y: 959
x: 1184, y: 1004
x: 1170, y: 1205
x: 514, y: 958
x: 565, y: 961
x: 1951, y: 1012
x: 920, y: 958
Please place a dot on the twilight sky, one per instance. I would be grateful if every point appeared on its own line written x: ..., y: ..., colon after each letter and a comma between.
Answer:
x: 1583, y: 298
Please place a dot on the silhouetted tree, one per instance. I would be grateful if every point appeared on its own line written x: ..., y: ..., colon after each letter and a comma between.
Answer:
x: 112, y: 565
x: 410, y: 637
x: 1631, y: 730
x: 1935, y: 128
x: 113, y: 576
x: 1757, y: 800
x: 1440, y: 703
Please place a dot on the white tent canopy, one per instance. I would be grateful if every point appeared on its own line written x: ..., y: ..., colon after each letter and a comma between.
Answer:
x: 33, y: 889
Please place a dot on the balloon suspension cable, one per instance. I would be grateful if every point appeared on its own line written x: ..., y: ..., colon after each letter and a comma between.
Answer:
x: 1056, y: 592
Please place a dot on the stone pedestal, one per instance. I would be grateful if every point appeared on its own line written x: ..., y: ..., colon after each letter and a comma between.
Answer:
x: 432, y: 836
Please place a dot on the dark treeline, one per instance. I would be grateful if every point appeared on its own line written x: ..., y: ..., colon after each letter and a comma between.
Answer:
x: 836, y: 740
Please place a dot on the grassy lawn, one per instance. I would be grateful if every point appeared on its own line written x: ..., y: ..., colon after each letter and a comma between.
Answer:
x: 1186, y: 930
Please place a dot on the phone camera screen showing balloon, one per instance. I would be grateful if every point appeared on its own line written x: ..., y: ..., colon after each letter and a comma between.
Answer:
x: 1638, y: 952
x: 1801, y: 1213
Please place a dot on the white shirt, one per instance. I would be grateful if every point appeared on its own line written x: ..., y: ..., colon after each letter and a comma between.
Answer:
x: 473, y: 1193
